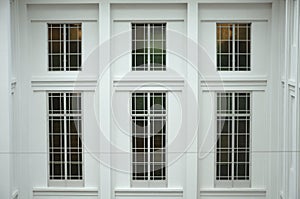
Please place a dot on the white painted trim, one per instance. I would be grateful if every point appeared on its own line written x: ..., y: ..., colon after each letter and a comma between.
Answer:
x: 90, y: 191
x: 46, y: 83
x: 253, y: 84
x: 234, y: 20
x: 147, y: 192
x: 62, y: 21
x: 145, y: 83
x: 148, y: 21
x: 13, y: 85
x: 231, y: 192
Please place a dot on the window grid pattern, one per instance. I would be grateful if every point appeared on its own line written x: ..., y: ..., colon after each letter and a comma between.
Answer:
x: 233, y: 136
x: 233, y: 47
x: 64, y: 47
x: 65, y: 130
x: 148, y: 136
x: 148, y: 47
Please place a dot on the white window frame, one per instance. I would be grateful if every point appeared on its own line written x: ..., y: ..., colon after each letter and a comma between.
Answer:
x: 65, y: 182
x: 64, y: 53
x: 149, y: 182
x: 234, y: 53
x: 150, y: 66
x: 233, y: 183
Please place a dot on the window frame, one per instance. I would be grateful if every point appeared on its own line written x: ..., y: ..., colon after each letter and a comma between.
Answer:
x: 64, y: 54
x: 233, y: 183
x: 148, y: 67
x: 234, y: 53
x: 65, y: 182
x: 148, y: 183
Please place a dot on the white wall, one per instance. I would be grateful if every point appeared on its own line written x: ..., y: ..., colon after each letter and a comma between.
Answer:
x: 5, y: 111
x: 290, y: 118
x: 107, y: 70
x: 122, y: 16
x: 254, y: 81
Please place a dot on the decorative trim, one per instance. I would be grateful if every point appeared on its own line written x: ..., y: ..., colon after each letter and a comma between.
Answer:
x: 234, y: 20
x: 148, y: 21
x: 65, y: 191
x: 15, y: 194
x: 130, y: 84
x: 62, y: 21
x: 231, y: 192
x: 13, y: 85
x: 292, y: 89
x: 63, y: 83
x: 147, y: 192
x: 234, y: 84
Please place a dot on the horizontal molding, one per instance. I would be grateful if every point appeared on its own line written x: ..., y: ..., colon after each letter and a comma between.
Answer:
x: 61, y: 2
x: 251, y: 84
x: 149, y: 192
x: 234, y: 20
x: 148, y: 20
x: 64, y: 191
x: 146, y: 83
x: 62, y: 21
x: 42, y: 83
x: 231, y: 192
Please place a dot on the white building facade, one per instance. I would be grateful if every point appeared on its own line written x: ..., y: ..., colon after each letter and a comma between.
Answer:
x: 137, y: 99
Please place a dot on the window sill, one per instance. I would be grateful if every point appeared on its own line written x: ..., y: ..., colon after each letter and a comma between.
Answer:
x: 147, y: 83
x: 45, y: 83
x: 65, y: 191
x: 230, y: 192
x: 144, y: 192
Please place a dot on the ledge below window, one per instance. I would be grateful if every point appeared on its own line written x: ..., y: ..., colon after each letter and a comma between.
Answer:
x: 144, y: 192
x: 230, y: 192
x: 44, y: 83
x: 65, y: 191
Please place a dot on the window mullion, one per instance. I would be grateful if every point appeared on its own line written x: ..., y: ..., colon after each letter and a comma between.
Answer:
x: 148, y: 136
x: 232, y: 144
x: 233, y: 47
x: 148, y: 42
x: 65, y: 137
x: 65, y: 47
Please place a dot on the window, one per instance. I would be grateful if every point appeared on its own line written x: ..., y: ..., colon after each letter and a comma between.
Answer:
x: 233, y: 46
x: 148, y: 47
x: 233, y: 139
x: 65, y: 143
x: 149, y: 137
x: 64, y: 47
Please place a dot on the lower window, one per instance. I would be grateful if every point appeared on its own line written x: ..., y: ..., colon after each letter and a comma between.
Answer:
x: 233, y: 139
x: 149, y: 116
x: 65, y: 139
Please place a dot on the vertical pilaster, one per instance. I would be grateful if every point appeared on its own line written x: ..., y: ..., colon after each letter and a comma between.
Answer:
x: 191, y: 189
x: 5, y: 54
x: 272, y: 97
x: 104, y: 91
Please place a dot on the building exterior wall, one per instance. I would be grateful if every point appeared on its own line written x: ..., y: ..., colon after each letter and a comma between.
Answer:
x: 191, y: 82
x: 5, y: 107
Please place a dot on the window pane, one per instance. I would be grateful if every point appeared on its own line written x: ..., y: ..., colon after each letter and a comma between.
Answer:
x: 148, y: 148
x: 64, y: 142
x: 233, y: 136
x: 241, y: 50
x: 146, y: 57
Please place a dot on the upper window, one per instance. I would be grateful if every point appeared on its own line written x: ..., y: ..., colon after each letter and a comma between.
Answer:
x: 65, y: 143
x: 233, y: 47
x: 64, y: 47
x: 148, y: 47
x: 148, y: 116
x: 233, y: 139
